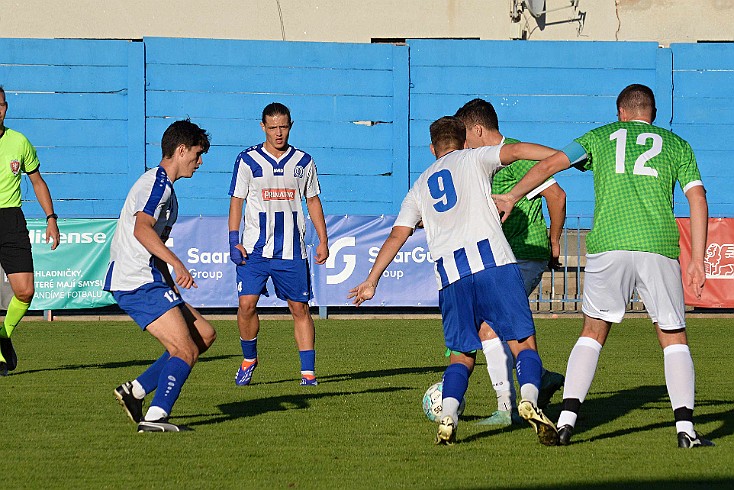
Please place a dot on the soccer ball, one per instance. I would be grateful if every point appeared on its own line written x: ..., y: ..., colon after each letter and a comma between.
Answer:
x: 432, y: 402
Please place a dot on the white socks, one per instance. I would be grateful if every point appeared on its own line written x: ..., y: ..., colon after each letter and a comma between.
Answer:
x: 499, y: 366
x: 680, y: 378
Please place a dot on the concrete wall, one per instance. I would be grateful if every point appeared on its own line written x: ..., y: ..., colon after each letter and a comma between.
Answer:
x: 661, y: 21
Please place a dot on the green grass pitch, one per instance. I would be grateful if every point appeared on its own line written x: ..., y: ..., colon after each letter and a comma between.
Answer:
x: 363, y: 426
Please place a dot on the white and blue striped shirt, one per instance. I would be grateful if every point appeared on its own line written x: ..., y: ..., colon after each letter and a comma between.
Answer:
x: 131, y: 265
x: 453, y: 197
x: 274, y: 189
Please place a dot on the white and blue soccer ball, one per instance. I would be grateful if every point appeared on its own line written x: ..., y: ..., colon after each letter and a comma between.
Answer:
x: 432, y: 402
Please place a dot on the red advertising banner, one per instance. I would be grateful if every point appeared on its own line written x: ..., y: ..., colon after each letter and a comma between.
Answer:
x: 718, y: 292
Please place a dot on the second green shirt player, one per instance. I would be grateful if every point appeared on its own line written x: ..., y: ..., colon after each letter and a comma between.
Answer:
x: 633, y: 244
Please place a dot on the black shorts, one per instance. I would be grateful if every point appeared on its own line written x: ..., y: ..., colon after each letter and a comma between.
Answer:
x: 15, y: 244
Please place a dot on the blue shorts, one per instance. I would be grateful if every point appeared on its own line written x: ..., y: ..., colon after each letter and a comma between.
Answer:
x: 532, y: 273
x: 148, y: 302
x: 495, y: 295
x: 291, y: 278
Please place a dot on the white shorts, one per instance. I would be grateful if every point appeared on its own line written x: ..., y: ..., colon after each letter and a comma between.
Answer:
x: 611, y: 277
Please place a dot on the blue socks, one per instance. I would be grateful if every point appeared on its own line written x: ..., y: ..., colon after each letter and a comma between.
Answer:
x: 172, y: 377
x: 308, y: 361
x: 529, y: 368
x: 455, y: 381
x: 249, y: 348
x: 149, y: 379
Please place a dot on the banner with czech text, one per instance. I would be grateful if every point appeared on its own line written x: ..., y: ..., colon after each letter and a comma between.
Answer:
x: 71, y: 276
x: 718, y: 292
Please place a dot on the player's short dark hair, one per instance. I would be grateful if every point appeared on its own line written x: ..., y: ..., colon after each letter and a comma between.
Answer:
x: 276, y: 109
x: 637, y: 97
x: 183, y: 133
x: 448, y: 132
x: 479, y: 111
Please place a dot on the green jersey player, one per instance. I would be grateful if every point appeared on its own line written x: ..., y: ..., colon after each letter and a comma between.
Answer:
x: 528, y: 236
x: 633, y: 244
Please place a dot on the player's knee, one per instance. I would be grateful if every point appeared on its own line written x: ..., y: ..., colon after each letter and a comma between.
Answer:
x: 25, y: 294
x: 209, y: 338
x: 188, y: 352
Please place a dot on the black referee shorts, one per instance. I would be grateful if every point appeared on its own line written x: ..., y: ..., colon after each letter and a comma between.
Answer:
x: 15, y: 245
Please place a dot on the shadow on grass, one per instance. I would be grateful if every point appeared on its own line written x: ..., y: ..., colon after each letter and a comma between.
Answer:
x: 705, y: 483
x: 382, y: 373
x: 142, y: 363
x: 607, y: 407
x: 259, y: 406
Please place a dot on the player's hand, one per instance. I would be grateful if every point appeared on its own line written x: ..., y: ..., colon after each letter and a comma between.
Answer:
x: 183, y: 276
x: 362, y: 293
x: 554, y: 263
x: 52, y: 233
x: 504, y: 203
x: 237, y: 253
x: 322, y: 253
x: 696, y: 277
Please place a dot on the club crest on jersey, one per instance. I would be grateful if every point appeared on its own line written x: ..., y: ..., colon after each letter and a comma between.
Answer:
x: 279, y: 194
x: 298, y: 172
x: 14, y: 166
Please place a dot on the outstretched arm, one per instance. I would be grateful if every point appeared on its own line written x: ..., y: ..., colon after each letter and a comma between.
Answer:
x: 699, y: 230
x: 536, y: 176
x: 366, y: 291
x: 524, y: 151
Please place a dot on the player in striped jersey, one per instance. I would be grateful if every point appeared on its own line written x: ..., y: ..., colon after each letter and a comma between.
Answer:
x: 534, y: 250
x: 274, y: 178
x: 633, y: 244
x: 477, y: 276
x: 142, y: 285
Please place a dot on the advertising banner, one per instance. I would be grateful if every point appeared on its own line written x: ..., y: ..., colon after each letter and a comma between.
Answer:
x: 718, y: 292
x: 71, y: 276
x: 354, y: 242
x: 202, y: 244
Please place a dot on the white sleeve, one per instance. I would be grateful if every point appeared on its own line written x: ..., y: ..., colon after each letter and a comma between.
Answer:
x: 312, y: 181
x: 488, y: 158
x: 536, y: 192
x: 241, y: 184
x: 410, y: 211
x: 150, y: 197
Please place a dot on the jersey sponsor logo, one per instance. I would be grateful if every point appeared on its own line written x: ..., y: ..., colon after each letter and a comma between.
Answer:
x: 719, y: 261
x: 279, y: 194
x: 14, y: 166
x: 350, y: 260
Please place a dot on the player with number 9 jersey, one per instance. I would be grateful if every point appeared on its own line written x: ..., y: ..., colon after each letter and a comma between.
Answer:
x: 463, y: 231
x: 648, y: 162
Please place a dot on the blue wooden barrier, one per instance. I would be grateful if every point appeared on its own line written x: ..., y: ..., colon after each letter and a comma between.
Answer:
x: 96, y: 110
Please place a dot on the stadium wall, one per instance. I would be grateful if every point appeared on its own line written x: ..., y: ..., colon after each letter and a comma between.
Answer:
x: 96, y: 109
